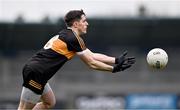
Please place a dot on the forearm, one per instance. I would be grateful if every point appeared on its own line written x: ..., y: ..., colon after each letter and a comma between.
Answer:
x: 98, y: 65
x: 97, y: 61
x: 104, y: 58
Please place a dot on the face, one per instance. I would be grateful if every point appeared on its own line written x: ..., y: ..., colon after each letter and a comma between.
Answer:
x: 82, y: 25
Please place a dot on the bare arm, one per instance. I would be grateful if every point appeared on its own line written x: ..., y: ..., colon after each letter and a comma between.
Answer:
x: 104, y: 58
x: 96, y: 61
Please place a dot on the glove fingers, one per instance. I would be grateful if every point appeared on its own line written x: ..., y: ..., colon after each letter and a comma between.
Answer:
x: 130, y: 58
x: 125, y: 53
x: 123, y: 62
x: 126, y: 66
x: 131, y: 61
x: 121, y: 58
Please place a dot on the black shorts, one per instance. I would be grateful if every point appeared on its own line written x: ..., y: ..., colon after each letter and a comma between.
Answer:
x: 33, y: 80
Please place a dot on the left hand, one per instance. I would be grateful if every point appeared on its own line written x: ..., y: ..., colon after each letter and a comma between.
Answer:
x: 122, y: 62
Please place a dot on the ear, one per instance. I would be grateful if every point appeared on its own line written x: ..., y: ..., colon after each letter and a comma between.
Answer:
x: 75, y: 24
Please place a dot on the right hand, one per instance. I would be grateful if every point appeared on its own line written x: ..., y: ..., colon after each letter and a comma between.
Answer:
x: 122, y: 62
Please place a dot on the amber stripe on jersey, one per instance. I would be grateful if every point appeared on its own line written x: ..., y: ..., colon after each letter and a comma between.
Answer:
x: 81, y: 42
x: 35, y: 84
x: 61, y: 47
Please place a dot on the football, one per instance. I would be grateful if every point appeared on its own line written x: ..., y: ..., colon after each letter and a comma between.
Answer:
x: 157, y: 58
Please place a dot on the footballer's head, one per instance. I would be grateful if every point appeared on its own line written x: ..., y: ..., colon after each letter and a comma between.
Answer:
x: 76, y: 19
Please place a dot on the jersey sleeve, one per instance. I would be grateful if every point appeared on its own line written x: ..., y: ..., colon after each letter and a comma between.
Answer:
x: 77, y: 44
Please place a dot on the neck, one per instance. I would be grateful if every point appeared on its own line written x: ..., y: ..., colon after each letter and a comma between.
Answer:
x: 74, y: 30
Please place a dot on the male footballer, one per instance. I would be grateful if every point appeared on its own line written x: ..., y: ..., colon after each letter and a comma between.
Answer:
x: 36, y: 91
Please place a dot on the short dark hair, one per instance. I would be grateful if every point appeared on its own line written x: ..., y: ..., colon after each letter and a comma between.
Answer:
x: 72, y: 16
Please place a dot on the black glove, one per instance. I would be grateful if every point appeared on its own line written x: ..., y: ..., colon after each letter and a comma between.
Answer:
x: 123, y: 63
x: 120, y: 59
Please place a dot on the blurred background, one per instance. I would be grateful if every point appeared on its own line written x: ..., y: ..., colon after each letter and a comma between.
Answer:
x: 114, y: 26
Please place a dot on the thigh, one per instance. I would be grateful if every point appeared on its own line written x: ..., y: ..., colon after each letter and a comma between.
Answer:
x: 48, y: 95
x: 28, y: 99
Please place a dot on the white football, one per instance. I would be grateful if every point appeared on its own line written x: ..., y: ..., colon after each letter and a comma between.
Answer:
x: 157, y: 58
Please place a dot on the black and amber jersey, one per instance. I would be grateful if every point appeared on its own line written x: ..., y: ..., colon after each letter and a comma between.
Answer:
x: 55, y: 53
